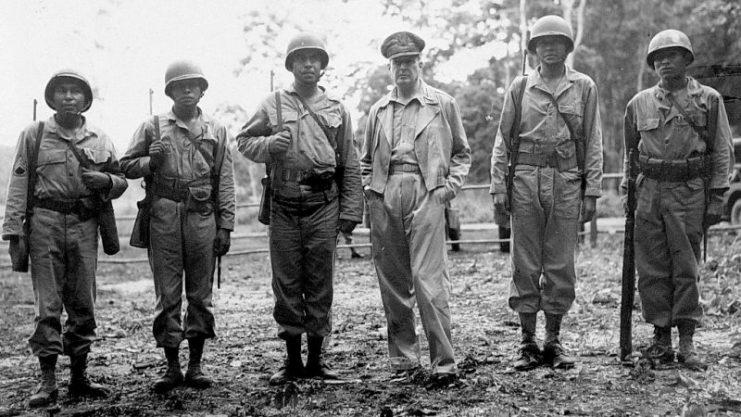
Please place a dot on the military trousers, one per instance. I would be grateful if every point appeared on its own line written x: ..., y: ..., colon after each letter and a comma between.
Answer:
x: 303, y: 245
x: 64, y: 257
x: 409, y: 253
x: 181, y: 255
x: 668, y: 236
x: 545, y: 220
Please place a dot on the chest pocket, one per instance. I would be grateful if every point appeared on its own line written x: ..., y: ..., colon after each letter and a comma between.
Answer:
x: 52, y: 163
x: 289, y: 119
x: 98, y: 157
x: 647, y: 124
x: 202, y: 164
x: 574, y: 113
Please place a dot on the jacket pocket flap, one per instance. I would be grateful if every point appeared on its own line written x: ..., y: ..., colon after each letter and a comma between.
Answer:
x: 55, y: 156
x: 648, y: 123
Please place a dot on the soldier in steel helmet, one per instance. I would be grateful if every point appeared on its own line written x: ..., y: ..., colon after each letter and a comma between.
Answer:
x: 557, y: 180
x: 63, y: 240
x: 680, y: 131
x: 304, y: 135
x: 414, y: 160
x: 184, y: 157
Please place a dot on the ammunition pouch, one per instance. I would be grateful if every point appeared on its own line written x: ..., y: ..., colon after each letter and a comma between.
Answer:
x: 672, y: 170
x: 195, y: 194
x: 318, y: 183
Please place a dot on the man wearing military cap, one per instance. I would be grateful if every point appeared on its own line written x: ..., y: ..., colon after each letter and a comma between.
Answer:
x: 60, y: 196
x: 415, y: 158
x: 550, y: 131
x: 304, y: 135
x: 184, y: 157
x: 681, y: 139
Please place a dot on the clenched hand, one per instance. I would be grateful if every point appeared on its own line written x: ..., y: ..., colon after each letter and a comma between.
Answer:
x: 280, y: 142
x: 96, y: 180
x: 157, y: 152
x: 222, y: 242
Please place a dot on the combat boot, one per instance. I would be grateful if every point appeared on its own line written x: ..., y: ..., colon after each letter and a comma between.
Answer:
x: 687, y: 357
x: 195, y: 377
x: 293, y: 366
x: 79, y: 383
x: 530, y: 356
x: 553, y: 353
x: 173, y: 376
x: 315, y: 366
x: 661, y: 350
x: 47, y: 391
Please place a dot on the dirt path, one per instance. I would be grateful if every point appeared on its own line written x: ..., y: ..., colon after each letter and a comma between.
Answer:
x: 485, y: 334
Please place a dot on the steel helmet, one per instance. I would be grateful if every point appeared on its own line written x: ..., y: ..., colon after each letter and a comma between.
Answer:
x: 69, y: 75
x: 184, y: 70
x: 551, y: 25
x: 666, y: 39
x: 306, y: 41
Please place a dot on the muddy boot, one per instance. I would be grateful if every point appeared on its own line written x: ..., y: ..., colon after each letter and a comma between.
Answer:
x: 315, y: 366
x: 173, y: 376
x: 293, y: 367
x: 553, y: 353
x: 47, y: 391
x: 661, y: 350
x: 529, y: 353
x: 355, y: 254
x: 687, y: 357
x: 195, y: 377
x: 79, y: 383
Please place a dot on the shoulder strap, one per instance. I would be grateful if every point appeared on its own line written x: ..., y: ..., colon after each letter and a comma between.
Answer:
x: 318, y: 121
x: 279, y: 109
x: 32, y: 162
x: 156, y: 123
x: 76, y: 152
x: 568, y: 123
x: 702, y: 132
x: 580, y: 156
x: 520, y: 89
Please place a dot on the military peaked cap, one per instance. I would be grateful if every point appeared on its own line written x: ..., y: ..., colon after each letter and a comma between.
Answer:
x: 402, y: 44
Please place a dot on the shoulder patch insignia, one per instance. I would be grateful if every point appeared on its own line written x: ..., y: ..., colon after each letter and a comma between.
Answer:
x: 20, y: 168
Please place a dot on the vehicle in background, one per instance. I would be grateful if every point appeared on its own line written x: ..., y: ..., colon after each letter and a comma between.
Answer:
x: 727, y: 80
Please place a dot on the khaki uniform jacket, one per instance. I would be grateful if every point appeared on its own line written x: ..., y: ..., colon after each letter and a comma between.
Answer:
x: 184, y: 162
x: 440, y: 143
x: 665, y: 134
x: 542, y: 128
x: 59, y: 174
x: 310, y: 150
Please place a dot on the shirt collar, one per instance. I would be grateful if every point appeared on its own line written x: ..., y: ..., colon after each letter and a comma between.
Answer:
x: 423, y: 96
x: 694, y: 88
x: 535, y: 79
x: 79, y: 134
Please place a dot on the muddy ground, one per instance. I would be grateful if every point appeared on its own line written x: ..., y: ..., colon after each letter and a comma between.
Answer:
x: 485, y: 334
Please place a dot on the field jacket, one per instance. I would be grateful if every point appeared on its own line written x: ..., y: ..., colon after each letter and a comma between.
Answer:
x: 440, y: 143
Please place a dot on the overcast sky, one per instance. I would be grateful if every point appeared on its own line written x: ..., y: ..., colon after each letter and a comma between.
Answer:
x: 125, y: 53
